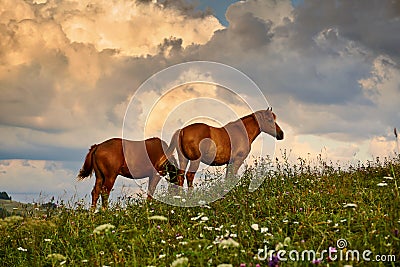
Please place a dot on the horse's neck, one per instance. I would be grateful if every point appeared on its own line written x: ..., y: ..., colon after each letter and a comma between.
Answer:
x: 252, y: 127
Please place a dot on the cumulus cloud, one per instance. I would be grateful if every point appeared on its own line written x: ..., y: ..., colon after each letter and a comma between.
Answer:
x: 68, y: 69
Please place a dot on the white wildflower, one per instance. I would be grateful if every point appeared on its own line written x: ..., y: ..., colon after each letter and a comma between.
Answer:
x: 161, y: 256
x: 103, y: 228
x: 197, y: 217
x: 255, y: 226
x: 204, y: 218
x: 22, y: 249
x: 382, y: 184
x: 226, y: 243
x: 350, y: 205
x: 56, y: 256
x: 224, y: 265
x: 388, y: 178
x: 264, y: 229
x: 180, y: 262
x: 158, y: 217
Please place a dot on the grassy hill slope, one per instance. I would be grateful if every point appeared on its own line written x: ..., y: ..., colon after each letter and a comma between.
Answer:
x: 298, y: 209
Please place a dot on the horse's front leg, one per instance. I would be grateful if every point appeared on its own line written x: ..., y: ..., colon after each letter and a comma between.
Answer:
x: 233, y: 167
x: 153, y: 182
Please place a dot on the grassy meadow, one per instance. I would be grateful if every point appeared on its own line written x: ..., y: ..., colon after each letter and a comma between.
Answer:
x: 300, y: 207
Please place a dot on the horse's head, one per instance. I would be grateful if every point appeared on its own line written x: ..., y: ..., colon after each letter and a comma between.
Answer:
x: 170, y: 167
x: 267, y: 121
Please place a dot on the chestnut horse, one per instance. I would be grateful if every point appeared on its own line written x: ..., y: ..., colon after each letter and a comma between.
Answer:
x: 108, y: 161
x: 229, y: 144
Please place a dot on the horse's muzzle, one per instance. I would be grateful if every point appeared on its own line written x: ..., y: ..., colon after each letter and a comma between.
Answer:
x: 279, y: 135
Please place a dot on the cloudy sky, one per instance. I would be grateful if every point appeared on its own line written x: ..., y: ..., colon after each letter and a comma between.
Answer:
x: 68, y: 70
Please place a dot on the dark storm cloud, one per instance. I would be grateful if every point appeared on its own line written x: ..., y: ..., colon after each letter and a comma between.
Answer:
x: 372, y: 23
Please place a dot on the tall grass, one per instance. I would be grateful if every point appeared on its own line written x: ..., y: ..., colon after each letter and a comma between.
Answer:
x: 298, y: 207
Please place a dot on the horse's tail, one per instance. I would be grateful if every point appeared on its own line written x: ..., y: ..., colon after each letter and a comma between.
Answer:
x: 168, y: 153
x: 87, y: 167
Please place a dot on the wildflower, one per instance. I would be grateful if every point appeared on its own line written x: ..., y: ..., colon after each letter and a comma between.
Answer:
x: 382, y: 184
x: 273, y: 261
x: 204, y: 218
x: 103, y: 228
x: 158, y: 217
x: 13, y: 219
x: 242, y: 265
x: 350, y: 205
x: 179, y: 237
x: 22, y: 249
x: 387, y: 177
x: 197, y: 217
x: 255, y: 227
x: 84, y: 261
x: 219, y: 228
x: 226, y: 243
x: 161, y: 256
x: 286, y: 242
x: 278, y: 246
x: 180, y: 262
x: 224, y: 265
x: 316, y: 262
x: 264, y: 229
x: 56, y: 257
x: 47, y: 240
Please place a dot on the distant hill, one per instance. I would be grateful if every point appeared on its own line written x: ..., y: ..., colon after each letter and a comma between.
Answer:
x: 4, y: 195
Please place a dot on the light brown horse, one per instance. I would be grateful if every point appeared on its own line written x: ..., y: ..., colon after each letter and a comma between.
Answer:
x: 108, y: 161
x: 229, y: 144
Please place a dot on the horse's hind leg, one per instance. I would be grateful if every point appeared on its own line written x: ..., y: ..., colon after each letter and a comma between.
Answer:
x: 193, y: 167
x: 106, y: 189
x: 183, y: 162
x: 97, y: 188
